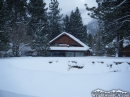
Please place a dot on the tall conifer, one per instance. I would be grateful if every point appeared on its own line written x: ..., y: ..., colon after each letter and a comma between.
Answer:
x: 38, y: 26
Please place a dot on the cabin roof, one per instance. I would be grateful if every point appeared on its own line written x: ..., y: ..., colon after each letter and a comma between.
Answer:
x: 84, y: 48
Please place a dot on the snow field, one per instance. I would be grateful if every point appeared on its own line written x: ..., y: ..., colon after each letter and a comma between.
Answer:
x: 50, y: 77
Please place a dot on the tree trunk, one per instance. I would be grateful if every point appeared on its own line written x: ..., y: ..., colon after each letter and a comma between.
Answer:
x: 117, y: 45
x: 15, y: 50
x: 121, y: 45
x: 119, y: 48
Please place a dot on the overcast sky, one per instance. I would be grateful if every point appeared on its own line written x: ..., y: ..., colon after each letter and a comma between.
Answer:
x: 69, y: 5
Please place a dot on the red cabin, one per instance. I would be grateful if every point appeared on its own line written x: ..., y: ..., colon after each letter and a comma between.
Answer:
x: 66, y: 45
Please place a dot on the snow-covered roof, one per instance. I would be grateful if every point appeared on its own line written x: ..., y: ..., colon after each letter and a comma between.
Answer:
x: 85, y: 47
x: 69, y: 48
x: 126, y: 43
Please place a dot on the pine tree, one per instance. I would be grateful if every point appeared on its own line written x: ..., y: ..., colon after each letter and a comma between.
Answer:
x: 55, y: 19
x: 66, y: 24
x: 4, y: 35
x: 72, y: 23
x: 16, y: 17
x: 76, y: 26
x: 113, y: 17
x: 123, y: 19
x: 89, y: 40
x: 38, y: 26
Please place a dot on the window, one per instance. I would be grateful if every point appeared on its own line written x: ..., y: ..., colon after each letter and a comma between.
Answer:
x: 54, y: 44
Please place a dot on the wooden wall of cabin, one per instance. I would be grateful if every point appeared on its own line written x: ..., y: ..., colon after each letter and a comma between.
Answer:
x: 126, y: 51
x: 73, y: 53
x: 64, y: 39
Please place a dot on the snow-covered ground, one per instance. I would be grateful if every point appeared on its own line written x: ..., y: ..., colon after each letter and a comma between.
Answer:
x: 62, y: 77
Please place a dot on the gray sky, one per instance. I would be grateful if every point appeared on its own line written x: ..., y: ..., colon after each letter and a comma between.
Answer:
x: 69, y: 5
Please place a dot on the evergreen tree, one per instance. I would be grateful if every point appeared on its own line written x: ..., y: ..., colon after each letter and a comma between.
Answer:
x: 16, y: 10
x: 72, y: 23
x: 38, y: 26
x: 92, y: 29
x: 84, y: 34
x: 122, y: 20
x: 76, y: 26
x: 4, y: 35
x: 89, y: 40
x: 66, y: 24
x: 55, y: 19
x: 113, y: 17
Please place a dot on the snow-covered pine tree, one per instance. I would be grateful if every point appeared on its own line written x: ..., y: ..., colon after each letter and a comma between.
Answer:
x: 116, y: 23
x: 92, y: 28
x: 84, y: 34
x: 113, y: 17
x: 76, y: 26
x: 66, y: 24
x: 122, y: 20
x: 55, y: 19
x: 15, y: 15
x: 39, y: 26
x: 72, y: 20
x: 4, y: 35
x: 18, y: 23
x: 46, y: 47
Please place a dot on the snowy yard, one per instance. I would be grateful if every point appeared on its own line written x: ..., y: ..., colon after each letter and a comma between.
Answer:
x: 62, y: 77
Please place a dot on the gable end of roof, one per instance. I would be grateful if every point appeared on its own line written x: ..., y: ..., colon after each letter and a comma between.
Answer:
x: 71, y: 36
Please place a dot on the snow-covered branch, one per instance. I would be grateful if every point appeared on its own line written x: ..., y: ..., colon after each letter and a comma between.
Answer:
x: 121, y: 3
x: 122, y: 18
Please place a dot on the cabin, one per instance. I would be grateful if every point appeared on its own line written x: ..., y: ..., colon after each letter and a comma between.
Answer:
x: 66, y: 45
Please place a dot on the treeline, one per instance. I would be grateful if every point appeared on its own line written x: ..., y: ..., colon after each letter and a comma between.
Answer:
x: 31, y: 23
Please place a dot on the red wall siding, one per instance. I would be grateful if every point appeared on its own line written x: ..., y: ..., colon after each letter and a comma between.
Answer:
x: 126, y: 51
x: 64, y: 39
